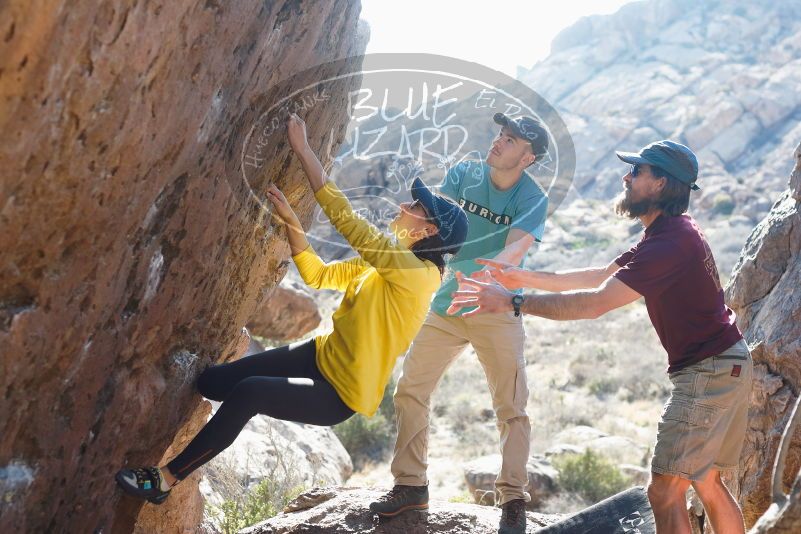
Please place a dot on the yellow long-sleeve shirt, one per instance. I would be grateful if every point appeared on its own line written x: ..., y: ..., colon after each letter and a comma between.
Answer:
x: 388, y: 291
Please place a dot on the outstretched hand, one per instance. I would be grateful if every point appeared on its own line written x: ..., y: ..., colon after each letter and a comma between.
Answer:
x: 296, y: 131
x: 489, y: 297
x: 509, y: 275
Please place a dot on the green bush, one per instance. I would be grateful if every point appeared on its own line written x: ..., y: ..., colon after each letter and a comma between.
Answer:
x: 463, y: 497
x: 370, y: 438
x: 603, y: 386
x: 723, y: 204
x: 262, y: 502
x: 591, y: 476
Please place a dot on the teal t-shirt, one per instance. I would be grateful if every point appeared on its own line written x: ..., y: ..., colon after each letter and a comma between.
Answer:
x: 490, y: 214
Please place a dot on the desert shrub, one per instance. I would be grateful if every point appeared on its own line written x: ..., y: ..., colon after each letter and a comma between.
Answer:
x: 463, y: 497
x: 580, y: 371
x: 723, y: 204
x: 243, y: 502
x: 370, y: 438
x: 462, y: 414
x: 603, y: 386
x: 590, y: 476
x: 262, y: 502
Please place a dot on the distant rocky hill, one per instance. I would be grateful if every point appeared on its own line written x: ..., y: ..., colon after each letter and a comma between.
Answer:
x: 722, y: 77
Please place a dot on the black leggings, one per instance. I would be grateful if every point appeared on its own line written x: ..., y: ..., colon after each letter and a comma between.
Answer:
x: 284, y: 383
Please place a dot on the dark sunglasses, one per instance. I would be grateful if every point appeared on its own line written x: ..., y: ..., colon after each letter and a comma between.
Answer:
x: 635, y: 170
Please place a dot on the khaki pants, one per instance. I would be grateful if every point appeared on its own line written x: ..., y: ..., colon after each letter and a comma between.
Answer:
x: 498, y: 339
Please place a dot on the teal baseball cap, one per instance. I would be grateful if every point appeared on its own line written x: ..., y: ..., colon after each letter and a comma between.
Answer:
x: 674, y: 158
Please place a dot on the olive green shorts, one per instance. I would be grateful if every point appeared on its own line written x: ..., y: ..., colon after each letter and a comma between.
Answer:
x: 704, y: 421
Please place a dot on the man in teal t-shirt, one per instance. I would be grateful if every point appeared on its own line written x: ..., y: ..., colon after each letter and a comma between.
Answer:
x: 506, y: 211
x: 491, y: 214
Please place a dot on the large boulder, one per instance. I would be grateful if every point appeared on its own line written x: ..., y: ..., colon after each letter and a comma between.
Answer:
x: 289, y: 454
x: 133, y: 248
x: 287, y: 312
x: 765, y: 292
x: 185, y: 508
x: 336, y: 510
x: 480, y: 475
x: 577, y: 439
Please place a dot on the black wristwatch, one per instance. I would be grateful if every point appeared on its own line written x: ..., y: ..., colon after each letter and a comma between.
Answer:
x: 517, y: 300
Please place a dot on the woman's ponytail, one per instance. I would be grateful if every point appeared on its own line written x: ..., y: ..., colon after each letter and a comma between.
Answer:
x: 431, y: 248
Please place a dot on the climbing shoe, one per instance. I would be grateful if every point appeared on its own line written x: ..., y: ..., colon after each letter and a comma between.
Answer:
x: 146, y: 483
x: 513, y: 517
x: 399, y: 499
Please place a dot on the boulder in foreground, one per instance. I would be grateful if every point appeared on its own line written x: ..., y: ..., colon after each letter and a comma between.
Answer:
x: 344, y: 510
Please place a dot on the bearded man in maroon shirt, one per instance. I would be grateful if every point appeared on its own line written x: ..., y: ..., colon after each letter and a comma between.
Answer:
x: 703, y: 424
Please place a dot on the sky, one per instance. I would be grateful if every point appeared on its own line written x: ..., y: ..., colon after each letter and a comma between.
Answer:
x: 500, y: 34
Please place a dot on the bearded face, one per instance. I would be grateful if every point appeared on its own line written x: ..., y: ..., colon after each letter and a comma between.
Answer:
x: 626, y: 205
x: 640, y: 192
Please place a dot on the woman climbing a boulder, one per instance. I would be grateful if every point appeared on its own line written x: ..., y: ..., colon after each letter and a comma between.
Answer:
x: 325, y: 380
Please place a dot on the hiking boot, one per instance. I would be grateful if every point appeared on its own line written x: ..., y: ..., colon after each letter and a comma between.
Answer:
x: 513, y: 517
x: 144, y: 483
x: 399, y: 499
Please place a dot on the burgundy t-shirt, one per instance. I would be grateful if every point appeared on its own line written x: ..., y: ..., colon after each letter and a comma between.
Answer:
x: 673, y: 268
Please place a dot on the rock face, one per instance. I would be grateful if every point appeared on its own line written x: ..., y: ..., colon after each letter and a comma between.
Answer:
x: 765, y: 294
x: 345, y: 510
x: 480, y: 475
x: 133, y: 248
x: 288, y: 312
x: 185, y: 508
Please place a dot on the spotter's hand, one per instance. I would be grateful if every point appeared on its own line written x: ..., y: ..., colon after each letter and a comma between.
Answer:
x: 489, y: 297
x: 510, y: 276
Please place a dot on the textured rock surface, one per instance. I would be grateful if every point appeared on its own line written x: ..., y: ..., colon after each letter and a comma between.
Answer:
x: 132, y: 251
x: 343, y: 510
x: 765, y: 294
x: 287, y: 313
x: 480, y: 475
x: 183, y: 511
x: 784, y: 518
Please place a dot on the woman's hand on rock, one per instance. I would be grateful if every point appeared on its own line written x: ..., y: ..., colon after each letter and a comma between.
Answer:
x: 281, y: 204
x: 296, y: 131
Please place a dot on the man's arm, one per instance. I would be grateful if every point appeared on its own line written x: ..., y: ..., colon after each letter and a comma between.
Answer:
x: 517, y: 244
x: 572, y: 279
x: 513, y: 277
x: 516, y: 247
x: 583, y: 304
